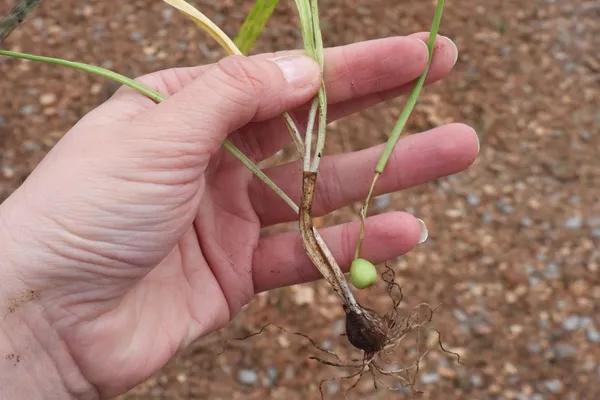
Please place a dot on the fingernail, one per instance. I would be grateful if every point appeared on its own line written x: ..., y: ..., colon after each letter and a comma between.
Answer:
x: 424, y: 231
x: 455, y: 49
x: 478, y: 143
x: 299, y: 70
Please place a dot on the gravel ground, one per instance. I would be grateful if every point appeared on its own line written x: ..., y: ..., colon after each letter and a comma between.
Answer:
x: 513, y: 257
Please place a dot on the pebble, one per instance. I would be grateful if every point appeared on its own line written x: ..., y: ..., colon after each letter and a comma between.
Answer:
x: 563, y: 351
x: 453, y: 213
x: 47, y: 99
x: 383, y: 201
x: 248, y: 376
x: 339, y: 327
x: 8, y: 172
x: 476, y: 380
x: 486, y: 218
x: 28, y: 109
x: 430, y: 378
x: 31, y: 146
x: 552, y: 271
x: 460, y: 315
x: 574, y: 223
x: 332, y: 387
x: 473, y: 199
x: 272, y: 375
x: 554, y: 386
x: 290, y: 372
x: 596, y: 233
x: 2, y: 121
x: 534, y: 348
x: 136, y: 36
x: 593, y: 335
x: 167, y: 14
x: 504, y: 207
x: 527, y: 222
x: 572, y: 323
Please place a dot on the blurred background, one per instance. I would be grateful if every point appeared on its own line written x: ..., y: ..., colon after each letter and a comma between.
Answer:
x: 513, y: 257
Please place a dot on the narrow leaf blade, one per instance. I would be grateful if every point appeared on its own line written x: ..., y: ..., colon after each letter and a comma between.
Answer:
x: 254, y: 24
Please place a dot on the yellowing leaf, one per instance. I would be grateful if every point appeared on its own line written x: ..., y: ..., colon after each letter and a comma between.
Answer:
x: 205, y: 24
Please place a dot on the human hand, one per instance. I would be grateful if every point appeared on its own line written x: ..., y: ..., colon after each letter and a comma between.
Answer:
x: 137, y: 234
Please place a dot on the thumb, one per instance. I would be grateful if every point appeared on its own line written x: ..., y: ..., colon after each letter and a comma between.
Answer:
x: 231, y: 93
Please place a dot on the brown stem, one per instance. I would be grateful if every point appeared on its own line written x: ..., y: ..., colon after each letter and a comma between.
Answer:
x: 317, y: 250
x: 15, y: 17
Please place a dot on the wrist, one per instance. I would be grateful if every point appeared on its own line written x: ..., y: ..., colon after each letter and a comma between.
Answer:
x: 34, y: 362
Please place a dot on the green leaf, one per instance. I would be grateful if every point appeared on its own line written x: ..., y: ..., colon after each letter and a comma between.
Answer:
x: 254, y: 24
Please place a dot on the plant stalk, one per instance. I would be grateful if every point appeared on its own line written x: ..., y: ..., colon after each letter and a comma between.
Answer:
x: 402, y: 120
x: 157, y: 98
x: 230, y: 47
x: 16, y: 16
x: 254, y: 24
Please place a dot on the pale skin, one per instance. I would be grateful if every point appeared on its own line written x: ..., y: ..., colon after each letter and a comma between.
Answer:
x: 138, y: 234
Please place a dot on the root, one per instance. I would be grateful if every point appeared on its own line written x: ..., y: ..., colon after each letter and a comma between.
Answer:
x: 393, y: 289
x: 387, y: 333
x: 444, y: 350
x: 287, y: 332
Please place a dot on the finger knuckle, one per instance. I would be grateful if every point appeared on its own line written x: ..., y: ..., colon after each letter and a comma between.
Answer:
x: 242, y: 74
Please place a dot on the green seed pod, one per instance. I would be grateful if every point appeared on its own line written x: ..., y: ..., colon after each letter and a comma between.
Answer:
x: 363, y: 273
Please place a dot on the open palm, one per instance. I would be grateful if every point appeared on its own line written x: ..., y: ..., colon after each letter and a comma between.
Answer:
x: 144, y: 234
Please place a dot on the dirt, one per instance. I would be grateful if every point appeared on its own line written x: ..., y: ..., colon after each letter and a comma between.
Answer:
x: 513, y: 256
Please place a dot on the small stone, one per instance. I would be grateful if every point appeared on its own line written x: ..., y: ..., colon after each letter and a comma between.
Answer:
x: 8, y: 172
x: 473, y: 199
x: 510, y: 369
x: 526, y: 222
x: 452, y: 213
x: 303, y: 294
x: 339, y: 327
x: 167, y: 14
x: 96, y: 88
x: 383, y: 201
x: 572, y: 323
x: 248, y: 377
x: 447, y: 373
x: 181, y: 377
x: 430, y: 378
x: 31, y: 146
x: 563, y: 351
x: 332, y: 387
x: 593, y: 335
x: 574, y: 223
x: 476, y: 381
x: 482, y: 328
x: 136, y: 36
x: 28, y: 109
x: 487, y: 218
x: 554, y: 386
x: 2, y: 121
x: 290, y: 372
x: 460, y: 315
x: 504, y: 207
x: 47, y: 99
x: 272, y: 375
x: 534, y: 348
x: 552, y: 271
x: 596, y: 233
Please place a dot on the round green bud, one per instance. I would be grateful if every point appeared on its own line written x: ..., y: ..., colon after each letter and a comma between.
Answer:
x: 363, y: 273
